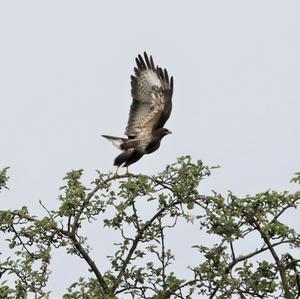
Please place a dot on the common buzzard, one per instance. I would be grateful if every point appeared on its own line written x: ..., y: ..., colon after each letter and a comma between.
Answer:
x: 151, y: 91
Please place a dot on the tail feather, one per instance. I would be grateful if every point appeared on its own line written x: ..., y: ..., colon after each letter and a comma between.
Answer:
x: 116, y: 141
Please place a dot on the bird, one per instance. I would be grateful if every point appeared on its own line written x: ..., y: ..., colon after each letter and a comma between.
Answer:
x: 151, y: 91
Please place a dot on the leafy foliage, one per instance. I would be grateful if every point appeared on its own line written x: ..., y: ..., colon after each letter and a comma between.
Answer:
x: 3, y: 177
x: 141, y: 264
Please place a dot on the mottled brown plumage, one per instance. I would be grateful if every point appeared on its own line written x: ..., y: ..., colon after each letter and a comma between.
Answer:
x: 151, y: 91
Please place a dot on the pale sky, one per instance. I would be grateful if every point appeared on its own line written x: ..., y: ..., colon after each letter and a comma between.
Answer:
x: 65, y: 71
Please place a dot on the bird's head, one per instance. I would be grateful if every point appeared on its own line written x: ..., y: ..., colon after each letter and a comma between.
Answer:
x: 163, y: 132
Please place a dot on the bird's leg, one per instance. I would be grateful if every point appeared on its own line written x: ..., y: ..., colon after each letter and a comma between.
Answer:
x: 127, y: 172
x: 115, y: 175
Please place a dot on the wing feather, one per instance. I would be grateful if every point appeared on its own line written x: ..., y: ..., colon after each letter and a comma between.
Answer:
x: 151, y: 91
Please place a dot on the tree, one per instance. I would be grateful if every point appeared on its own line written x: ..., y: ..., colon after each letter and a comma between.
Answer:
x: 142, y: 262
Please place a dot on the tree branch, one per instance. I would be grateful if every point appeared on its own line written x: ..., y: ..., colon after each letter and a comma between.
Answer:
x: 162, y: 236
x: 90, y: 262
x: 136, y: 241
x: 242, y: 258
x: 21, y: 242
x: 289, y: 205
x: 279, y: 264
x: 89, y: 196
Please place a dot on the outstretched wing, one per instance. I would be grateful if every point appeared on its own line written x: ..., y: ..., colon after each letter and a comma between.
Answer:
x: 151, y: 91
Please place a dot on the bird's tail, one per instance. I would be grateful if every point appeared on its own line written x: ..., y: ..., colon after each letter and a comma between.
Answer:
x: 116, y: 141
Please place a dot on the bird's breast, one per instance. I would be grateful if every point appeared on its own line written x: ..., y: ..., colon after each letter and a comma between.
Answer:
x: 152, y: 146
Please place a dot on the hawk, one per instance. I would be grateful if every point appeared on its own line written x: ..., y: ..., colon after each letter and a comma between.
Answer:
x: 151, y: 91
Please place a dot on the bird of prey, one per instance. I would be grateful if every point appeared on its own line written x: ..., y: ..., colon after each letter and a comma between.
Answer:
x: 151, y: 91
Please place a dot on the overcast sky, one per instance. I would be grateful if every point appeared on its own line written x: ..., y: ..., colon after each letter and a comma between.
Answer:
x: 65, y: 71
